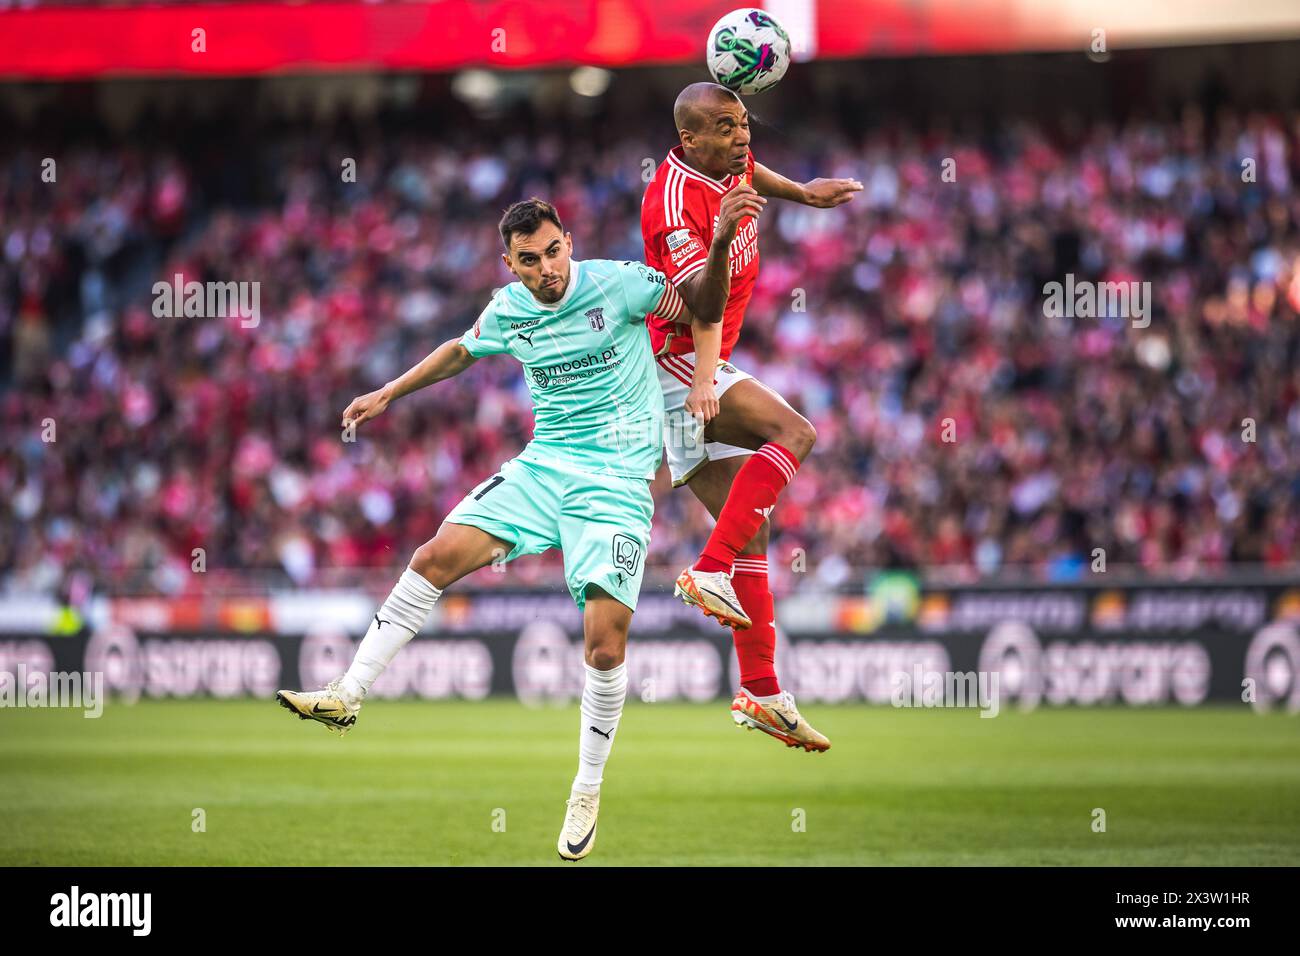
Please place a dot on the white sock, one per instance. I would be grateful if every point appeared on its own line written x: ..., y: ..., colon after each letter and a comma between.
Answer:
x: 399, y: 619
x: 763, y: 700
x: 602, y: 706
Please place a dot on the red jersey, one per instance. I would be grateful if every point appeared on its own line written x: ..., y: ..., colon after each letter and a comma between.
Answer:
x: 678, y: 213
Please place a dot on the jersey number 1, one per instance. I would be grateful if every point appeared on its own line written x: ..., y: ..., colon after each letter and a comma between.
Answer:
x: 496, y: 480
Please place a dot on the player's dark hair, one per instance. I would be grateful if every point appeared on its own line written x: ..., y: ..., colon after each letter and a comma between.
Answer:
x: 526, y: 217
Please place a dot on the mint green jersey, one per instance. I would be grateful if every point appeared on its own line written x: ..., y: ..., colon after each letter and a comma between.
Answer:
x: 597, y: 403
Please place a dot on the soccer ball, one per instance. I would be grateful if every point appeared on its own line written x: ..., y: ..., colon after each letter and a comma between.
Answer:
x: 748, y: 51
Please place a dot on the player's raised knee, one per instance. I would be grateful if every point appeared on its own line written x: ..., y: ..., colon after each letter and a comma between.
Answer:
x: 433, y: 561
x: 799, y: 437
x: 604, y: 657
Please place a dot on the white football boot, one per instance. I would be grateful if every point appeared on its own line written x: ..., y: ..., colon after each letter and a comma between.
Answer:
x: 778, y: 718
x: 579, y: 833
x: 333, y: 706
x: 712, y: 593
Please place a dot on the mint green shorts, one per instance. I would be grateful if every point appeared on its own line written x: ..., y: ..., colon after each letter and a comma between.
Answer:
x: 600, y: 522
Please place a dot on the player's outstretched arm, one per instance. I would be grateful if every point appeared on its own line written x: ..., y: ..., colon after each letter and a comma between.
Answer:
x: 822, y: 193
x: 446, y: 361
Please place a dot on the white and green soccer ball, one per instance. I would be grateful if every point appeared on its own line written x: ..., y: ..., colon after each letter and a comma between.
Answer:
x: 748, y: 51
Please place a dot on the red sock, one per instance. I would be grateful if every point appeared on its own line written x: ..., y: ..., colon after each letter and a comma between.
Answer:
x: 753, y: 493
x: 756, y: 647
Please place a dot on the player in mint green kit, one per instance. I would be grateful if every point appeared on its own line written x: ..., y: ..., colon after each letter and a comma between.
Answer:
x: 581, y: 485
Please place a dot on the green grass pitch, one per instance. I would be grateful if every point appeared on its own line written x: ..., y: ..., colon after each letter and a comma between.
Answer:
x: 421, y: 783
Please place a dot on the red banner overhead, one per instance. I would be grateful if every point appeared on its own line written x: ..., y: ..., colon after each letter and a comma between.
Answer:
x: 254, y: 38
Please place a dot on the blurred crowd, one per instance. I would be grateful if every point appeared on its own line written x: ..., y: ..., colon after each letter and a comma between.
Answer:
x: 962, y: 429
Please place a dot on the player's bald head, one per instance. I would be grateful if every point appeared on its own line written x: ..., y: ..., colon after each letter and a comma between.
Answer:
x: 696, y: 103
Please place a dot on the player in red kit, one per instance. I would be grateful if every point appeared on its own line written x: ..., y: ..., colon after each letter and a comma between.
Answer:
x: 699, y: 221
